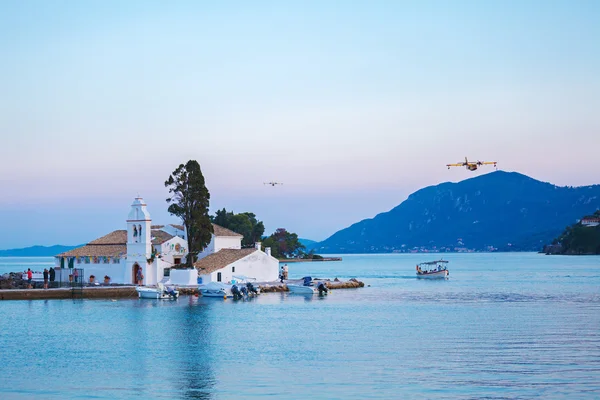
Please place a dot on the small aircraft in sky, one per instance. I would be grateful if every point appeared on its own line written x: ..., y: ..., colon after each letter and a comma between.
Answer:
x: 472, y: 165
x: 273, y: 183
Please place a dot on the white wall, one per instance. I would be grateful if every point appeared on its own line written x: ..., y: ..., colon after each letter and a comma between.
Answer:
x: 227, y: 242
x: 221, y: 242
x: 184, y: 277
x: 115, y: 271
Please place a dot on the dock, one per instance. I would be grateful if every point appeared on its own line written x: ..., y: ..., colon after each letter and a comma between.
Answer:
x: 126, y: 291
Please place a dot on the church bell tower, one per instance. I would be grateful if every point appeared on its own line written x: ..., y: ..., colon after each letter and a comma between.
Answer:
x: 139, y: 239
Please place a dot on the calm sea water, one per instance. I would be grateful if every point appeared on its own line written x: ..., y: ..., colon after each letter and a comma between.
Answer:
x: 503, y: 326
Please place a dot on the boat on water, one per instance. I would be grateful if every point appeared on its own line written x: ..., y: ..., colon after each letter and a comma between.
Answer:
x: 237, y: 290
x: 308, y: 287
x: 433, y: 270
x: 159, y: 292
x: 215, y: 289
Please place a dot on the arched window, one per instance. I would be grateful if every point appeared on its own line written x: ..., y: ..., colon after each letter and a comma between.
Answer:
x: 233, y: 269
x: 218, y: 277
x: 140, y: 231
x: 134, y: 231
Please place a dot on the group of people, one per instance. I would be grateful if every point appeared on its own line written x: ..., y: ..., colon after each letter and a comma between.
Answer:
x: 49, y: 275
x: 283, y: 273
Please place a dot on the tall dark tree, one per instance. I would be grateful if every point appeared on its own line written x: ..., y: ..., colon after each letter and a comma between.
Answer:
x: 189, y: 201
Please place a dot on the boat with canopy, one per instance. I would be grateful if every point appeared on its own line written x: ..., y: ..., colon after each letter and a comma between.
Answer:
x: 433, y: 270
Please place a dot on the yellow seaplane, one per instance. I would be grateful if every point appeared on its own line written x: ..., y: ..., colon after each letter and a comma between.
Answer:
x: 472, y: 165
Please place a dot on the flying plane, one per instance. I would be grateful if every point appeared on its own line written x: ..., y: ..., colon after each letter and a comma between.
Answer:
x: 472, y: 165
x: 273, y: 183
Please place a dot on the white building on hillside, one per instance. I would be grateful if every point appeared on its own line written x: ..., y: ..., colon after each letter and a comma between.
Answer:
x: 160, y: 251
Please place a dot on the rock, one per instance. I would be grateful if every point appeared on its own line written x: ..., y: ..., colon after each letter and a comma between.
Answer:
x: 336, y: 279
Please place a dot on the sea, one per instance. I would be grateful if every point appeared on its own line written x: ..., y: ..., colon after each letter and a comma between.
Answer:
x: 503, y: 326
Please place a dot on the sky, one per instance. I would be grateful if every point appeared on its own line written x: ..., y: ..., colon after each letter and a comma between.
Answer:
x: 353, y: 105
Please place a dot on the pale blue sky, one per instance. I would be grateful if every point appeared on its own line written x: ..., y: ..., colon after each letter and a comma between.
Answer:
x: 353, y: 105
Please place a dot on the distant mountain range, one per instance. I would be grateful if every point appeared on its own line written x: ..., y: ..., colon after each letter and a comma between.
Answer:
x: 500, y: 210
x: 309, y: 244
x: 36, y: 251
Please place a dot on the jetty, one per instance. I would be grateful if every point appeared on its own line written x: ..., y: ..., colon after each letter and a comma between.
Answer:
x: 300, y: 260
x: 128, y: 291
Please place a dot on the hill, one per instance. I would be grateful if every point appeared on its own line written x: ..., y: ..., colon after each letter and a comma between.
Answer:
x: 36, y: 251
x: 499, y: 210
x: 579, y: 238
x: 309, y: 244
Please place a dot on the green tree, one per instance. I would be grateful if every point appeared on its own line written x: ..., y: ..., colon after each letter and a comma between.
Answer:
x: 284, y: 244
x: 244, y: 223
x: 189, y: 201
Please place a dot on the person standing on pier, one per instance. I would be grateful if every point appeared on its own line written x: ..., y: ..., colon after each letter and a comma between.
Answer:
x: 52, y: 274
x: 45, y: 278
x: 29, y: 278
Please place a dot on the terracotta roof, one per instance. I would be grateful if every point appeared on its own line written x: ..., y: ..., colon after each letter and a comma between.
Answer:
x: 159, y: 237
x: 180, y: 227
x: 97, y: 250
x: 156, y: 226
x: 220, y: 231
x: 115, y: 237
x: 220, y: 259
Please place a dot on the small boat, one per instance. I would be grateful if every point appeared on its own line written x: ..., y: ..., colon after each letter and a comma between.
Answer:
x: 215, y: 289
x: 159, y: 292
x: 309, y: 287
x: 433, y: 270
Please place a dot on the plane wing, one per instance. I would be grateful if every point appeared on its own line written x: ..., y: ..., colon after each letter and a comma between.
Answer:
x: 455, y: 165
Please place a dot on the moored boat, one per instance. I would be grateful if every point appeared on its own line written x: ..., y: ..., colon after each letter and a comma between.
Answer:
x: 215, y: 289
x: 433, y: 270
x: 309, y: 287
x: 159, y: 292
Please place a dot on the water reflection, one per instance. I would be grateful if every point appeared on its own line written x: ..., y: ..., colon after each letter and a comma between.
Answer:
x: 195, y: 356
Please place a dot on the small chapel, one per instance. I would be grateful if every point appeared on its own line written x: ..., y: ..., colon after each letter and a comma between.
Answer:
x: 160, y: 252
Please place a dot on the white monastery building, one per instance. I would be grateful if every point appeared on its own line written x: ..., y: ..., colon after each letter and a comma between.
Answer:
x: 160, y: 252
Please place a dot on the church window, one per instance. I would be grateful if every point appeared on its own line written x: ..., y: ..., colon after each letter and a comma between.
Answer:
x: 134, y: 231
x: 218, y: 277
x: 233, y: 269
x: 140, y: 231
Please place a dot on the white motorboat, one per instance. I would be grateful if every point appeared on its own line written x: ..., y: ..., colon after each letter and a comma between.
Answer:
x: 159, y: 292
x: 300, y: 289
x: 309, y: 287
x: 215, y: 289
x: 433, y: 270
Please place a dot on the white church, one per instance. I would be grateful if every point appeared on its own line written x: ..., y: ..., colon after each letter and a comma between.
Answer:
x: 160, y: 252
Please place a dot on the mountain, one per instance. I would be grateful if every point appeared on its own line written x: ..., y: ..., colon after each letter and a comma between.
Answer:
x: 36, y: 251
x: 504, y: 210
x: 309, y: 244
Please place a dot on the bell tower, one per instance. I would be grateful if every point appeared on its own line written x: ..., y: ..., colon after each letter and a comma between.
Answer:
x: 139, y: 239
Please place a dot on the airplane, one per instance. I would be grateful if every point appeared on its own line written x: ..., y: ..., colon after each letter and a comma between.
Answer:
x: 273, y: 183
x: 472, y: 166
